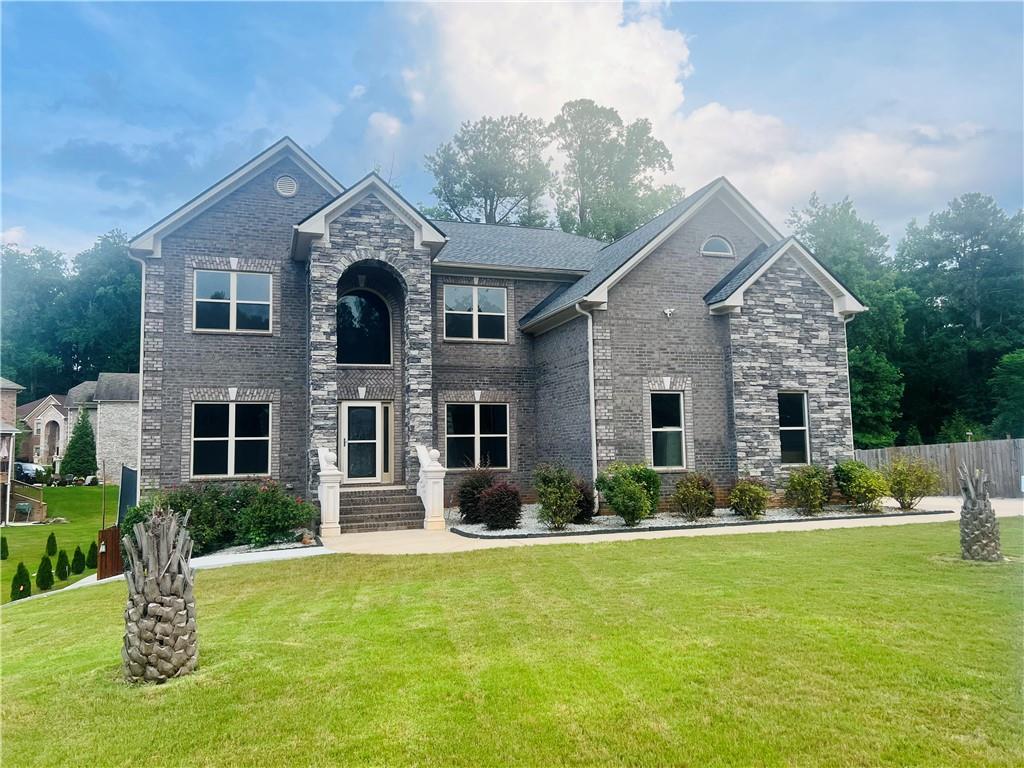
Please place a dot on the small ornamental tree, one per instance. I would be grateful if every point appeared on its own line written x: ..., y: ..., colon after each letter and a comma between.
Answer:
x: 3, y: 548
x: 77, y: 561
x: 63, y: 569
x: 51, y: 544
x: 92, y: 558
x: 80, y: 455
x: 21, y: 585
x: 44, y: 574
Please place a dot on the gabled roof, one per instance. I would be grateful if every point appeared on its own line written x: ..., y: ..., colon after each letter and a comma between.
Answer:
x: 317, y: 225
x: 727, y: 295
x: 616, y: 259
x: 81, y: 394
x: 148, y: 241
x: 117, y: 387
x: 26, y: 411
x: 8, y: 384
x: 504, y: 245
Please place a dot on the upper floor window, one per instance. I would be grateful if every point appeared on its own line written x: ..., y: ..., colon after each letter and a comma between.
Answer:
x: 474, y: 312
x: 39, y: 426
x: 232, y: 301
x: 716, y: 246
x: 364, y: 329
x: 230, y: 439
x: 793, y: 434
x: 667, y: 429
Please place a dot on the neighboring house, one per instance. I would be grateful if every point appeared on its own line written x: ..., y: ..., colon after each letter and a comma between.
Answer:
x: 44, y: 422
x: 80, y: 398
x: 8, y: 432
x: 117, y: 423
x: 285, y: 315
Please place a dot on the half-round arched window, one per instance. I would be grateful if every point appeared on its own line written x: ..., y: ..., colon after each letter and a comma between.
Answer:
x: 716, y: 246
x: 364, y: 329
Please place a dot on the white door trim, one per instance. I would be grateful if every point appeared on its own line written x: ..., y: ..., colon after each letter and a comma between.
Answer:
x: 343, y: 440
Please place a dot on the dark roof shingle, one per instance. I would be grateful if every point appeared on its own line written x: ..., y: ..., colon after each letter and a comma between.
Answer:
x: 117, y: 387
x: 503, y: 245
x: 739, y: 274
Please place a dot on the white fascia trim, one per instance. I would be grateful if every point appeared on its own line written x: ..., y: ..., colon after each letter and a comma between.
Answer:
x: 148, y: 242
x: 317, y: 226
x: 844, y: 303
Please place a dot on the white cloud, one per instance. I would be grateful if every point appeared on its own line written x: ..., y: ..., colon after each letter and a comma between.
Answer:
x: 15, y: 236
x: 531, y: 58
x: 357, y: 92
x: 384, y: 125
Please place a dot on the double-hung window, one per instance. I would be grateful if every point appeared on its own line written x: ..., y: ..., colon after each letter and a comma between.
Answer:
x: 39, y: 426
x: 793, y: 434
x: 474, y: 312
x: 476, y: 435
x: 230, y: 439
x: 667, y: 430
x: 232, y: 301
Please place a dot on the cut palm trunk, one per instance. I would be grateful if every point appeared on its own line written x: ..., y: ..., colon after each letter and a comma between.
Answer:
x: 160, y: 640
x: 979, y: 529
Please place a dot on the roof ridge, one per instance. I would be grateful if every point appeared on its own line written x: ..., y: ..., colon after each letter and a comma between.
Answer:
x: 513, y: 225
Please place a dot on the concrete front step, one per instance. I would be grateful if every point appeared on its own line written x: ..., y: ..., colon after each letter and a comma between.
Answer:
x: 367, y: 527
x: 383, y: 514
x: 379, y: 509
x: 368, y: 492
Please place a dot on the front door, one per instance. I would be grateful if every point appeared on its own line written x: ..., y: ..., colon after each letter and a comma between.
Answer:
x: 362, y: 448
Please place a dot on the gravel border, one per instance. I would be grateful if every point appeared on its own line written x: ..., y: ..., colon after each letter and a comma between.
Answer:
x: 530, y: 527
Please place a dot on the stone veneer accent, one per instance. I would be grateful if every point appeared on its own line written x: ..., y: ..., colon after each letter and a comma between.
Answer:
x: 787, y: 336
x: 369, y: 231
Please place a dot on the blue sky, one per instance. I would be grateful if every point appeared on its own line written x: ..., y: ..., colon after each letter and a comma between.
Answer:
x: 115, y: 114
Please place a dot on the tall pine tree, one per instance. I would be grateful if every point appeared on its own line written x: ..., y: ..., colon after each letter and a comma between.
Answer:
x: 80, y: 456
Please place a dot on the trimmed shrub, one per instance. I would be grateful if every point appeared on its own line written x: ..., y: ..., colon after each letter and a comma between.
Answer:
x: 749, y: 498
x: 843, y: 474
x: 910, y: 480
x: 272, y: 515
x: 474, y: 483
x: 4, y: 552
x: 630, y: 500
x: 63, y: 569
x: 21, y: 584
x: 44, y: 574
x: 213, y: 514
x: 77, y: 561
x: 558, y: 494
x: 501, y: 507
x: 807, y: 489
x: 867, y: 487
x: 51, y: 544
x: 695, y: 496
x: 585, y: 507
x: 92, y: 556
x: 137, y: 514
x: 643, y: 475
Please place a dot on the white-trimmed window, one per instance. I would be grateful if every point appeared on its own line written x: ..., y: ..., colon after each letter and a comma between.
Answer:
x: 39, y: 426
x: 237, y: 302
x: 476, y: 435
x: 716, y: 245
x: 794, y: 437
x: 667, y: 438
x: 230, y: 439
x: 475, y: 312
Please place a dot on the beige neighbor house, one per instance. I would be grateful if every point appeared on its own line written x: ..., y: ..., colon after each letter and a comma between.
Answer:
x: 45, y: 424
x: 8, y: 431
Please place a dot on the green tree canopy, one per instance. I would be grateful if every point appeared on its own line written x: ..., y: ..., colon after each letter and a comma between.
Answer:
x: 80, y: 456
x: 1007, y: 385
x: 606, y: 188
x: 493, y: 171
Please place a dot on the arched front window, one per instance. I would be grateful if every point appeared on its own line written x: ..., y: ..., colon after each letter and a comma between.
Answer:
x: 364, y: 329
x: 716, y: 246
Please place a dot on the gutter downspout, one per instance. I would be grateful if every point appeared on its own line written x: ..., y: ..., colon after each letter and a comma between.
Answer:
x: 593, y: 402
x: 142, y: 370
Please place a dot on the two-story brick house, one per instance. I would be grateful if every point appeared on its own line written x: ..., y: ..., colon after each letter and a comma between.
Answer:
x: 285, y: 315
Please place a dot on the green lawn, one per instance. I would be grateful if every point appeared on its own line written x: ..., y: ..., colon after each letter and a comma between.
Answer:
x: 82, y: 507
x: 871, y: 646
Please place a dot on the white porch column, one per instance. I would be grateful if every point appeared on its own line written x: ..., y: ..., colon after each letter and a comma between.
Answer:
x: 328, y: 492
x: 430, y: 487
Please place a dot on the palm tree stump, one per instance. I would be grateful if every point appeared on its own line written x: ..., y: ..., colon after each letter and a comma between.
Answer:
x: 979, y: 529
x: 160, y: 640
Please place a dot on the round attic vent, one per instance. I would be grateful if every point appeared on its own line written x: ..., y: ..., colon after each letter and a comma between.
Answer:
x: 286, y: 186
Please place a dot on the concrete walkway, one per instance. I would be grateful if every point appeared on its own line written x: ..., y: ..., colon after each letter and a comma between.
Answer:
x: 418, y: 542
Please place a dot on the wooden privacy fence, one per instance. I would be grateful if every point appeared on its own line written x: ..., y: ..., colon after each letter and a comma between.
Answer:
x: 1003, y: 460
